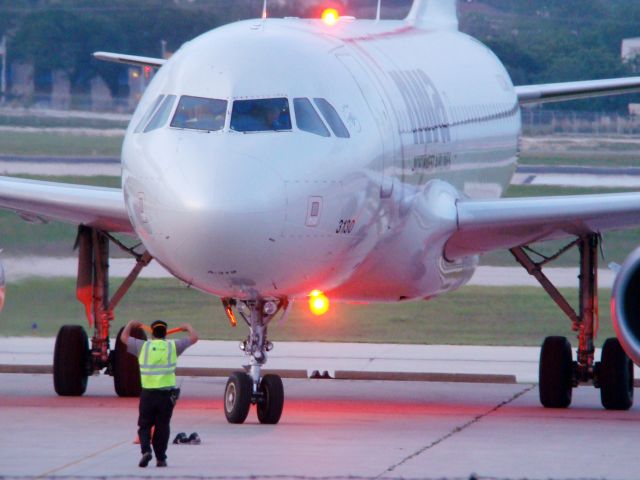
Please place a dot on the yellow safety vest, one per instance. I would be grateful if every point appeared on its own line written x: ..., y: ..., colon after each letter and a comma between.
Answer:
x: 158, y: 360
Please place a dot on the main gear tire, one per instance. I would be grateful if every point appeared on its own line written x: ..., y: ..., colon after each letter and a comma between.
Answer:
x: 615, y: 376
x: 125, y: 368
x: 71, y: 361
x: 556, y: 373
x: 272, y: 401
x: 237, y: 397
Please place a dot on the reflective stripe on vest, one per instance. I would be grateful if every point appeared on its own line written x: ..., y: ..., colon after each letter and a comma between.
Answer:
x: 158, y: 360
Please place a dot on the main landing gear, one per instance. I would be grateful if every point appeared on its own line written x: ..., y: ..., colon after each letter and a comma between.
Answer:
x: 559, y: 373
x: 73, y: 359
x: 248, y: 387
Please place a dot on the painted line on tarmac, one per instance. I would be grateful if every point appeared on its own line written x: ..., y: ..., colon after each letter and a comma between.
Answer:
x: 63, y: 160
x: 80, y: 460
x: 426, y: 377
x: 577, y: 170
x: 313, y: 374
x: 29, y: 369
x: 456, y: 430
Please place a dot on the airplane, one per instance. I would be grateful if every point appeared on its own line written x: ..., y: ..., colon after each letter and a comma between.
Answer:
x: 279, y: 160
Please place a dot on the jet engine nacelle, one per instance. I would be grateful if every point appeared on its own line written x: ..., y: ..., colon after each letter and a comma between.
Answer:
x: 625, y: 306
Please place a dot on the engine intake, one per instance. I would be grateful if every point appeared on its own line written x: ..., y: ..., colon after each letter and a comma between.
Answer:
x: 625, y: 306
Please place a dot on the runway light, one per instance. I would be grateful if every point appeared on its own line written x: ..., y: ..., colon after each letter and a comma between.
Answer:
x: 318, y: 303
x: 330, y: 16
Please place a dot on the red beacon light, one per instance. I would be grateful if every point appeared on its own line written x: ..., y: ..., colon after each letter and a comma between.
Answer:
x: 330, y: 16
x: 318, y: 303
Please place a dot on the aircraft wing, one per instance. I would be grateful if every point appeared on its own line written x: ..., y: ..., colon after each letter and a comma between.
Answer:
x: 558, y: 92
x: 486, y: 225
x: 34, y: 200
x: 130, y: 59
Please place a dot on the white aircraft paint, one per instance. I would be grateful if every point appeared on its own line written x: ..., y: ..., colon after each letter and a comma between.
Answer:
x: 226, y: 211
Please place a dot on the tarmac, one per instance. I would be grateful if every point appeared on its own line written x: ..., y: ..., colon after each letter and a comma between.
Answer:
x: 329, y: 360
x: 352, y: 411
x: 476, y: 416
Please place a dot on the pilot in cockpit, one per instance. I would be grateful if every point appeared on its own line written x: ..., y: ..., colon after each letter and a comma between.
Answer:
x: 273, y: 118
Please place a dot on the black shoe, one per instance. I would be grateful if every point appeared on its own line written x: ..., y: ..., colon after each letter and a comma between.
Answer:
x: 146, y: 458
x: 181, y: 438
x: 161, y: 463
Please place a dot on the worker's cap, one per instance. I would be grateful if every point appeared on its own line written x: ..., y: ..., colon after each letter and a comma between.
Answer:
x: 159, y: 328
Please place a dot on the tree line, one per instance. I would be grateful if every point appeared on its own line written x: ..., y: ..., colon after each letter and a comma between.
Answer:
x: 538, y: 40
x: 561, y: 40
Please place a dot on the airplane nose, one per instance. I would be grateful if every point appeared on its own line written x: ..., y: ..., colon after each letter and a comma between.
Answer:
x: 230, y: 218
x: 232, y: 184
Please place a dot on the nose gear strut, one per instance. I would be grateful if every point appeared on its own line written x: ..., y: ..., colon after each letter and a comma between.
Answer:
x: 248, y: 387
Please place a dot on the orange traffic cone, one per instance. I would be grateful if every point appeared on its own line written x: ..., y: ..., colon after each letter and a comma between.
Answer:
x: 137, y: 439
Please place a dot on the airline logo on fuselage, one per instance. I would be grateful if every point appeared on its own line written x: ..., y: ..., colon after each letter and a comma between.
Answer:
x: 426, y: 120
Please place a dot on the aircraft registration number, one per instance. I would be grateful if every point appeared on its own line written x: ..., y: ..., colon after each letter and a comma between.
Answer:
x: 345, y: 226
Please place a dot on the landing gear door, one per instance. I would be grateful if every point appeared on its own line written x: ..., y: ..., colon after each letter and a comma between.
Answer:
x: 372, y: 95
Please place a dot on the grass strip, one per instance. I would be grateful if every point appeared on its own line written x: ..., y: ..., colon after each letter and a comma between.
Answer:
x: 60, y: 122
x: 471, y: 316
x: 55, y: 144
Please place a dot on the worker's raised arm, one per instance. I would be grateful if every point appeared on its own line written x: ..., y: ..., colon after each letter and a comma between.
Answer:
x: 193, y: 335
x: 126, y: 333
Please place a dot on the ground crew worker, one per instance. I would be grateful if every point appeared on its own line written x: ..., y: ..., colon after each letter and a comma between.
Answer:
x: 158, y: 360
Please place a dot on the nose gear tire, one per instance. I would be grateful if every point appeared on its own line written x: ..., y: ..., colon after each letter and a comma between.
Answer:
x: 270, y: 407
x: 237, y: 397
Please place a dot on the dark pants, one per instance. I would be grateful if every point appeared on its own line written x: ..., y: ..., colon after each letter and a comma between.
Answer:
x: 156, y: 408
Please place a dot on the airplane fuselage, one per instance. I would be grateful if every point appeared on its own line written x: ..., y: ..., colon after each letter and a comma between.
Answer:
x: 359, y: 210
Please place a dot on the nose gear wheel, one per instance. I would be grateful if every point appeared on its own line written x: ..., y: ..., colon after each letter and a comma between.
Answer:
x: 237, y: 397
x: 251, y: 387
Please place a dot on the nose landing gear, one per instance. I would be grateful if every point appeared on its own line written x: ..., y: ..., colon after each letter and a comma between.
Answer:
x: 248, y: 387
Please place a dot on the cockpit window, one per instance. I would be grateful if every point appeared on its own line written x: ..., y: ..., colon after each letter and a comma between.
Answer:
x: 331, y: 116
x: 200, y: 114
x: 269, y: 114
x: 148, y: 113
x: 161, y: 116
x: 307, y: 119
